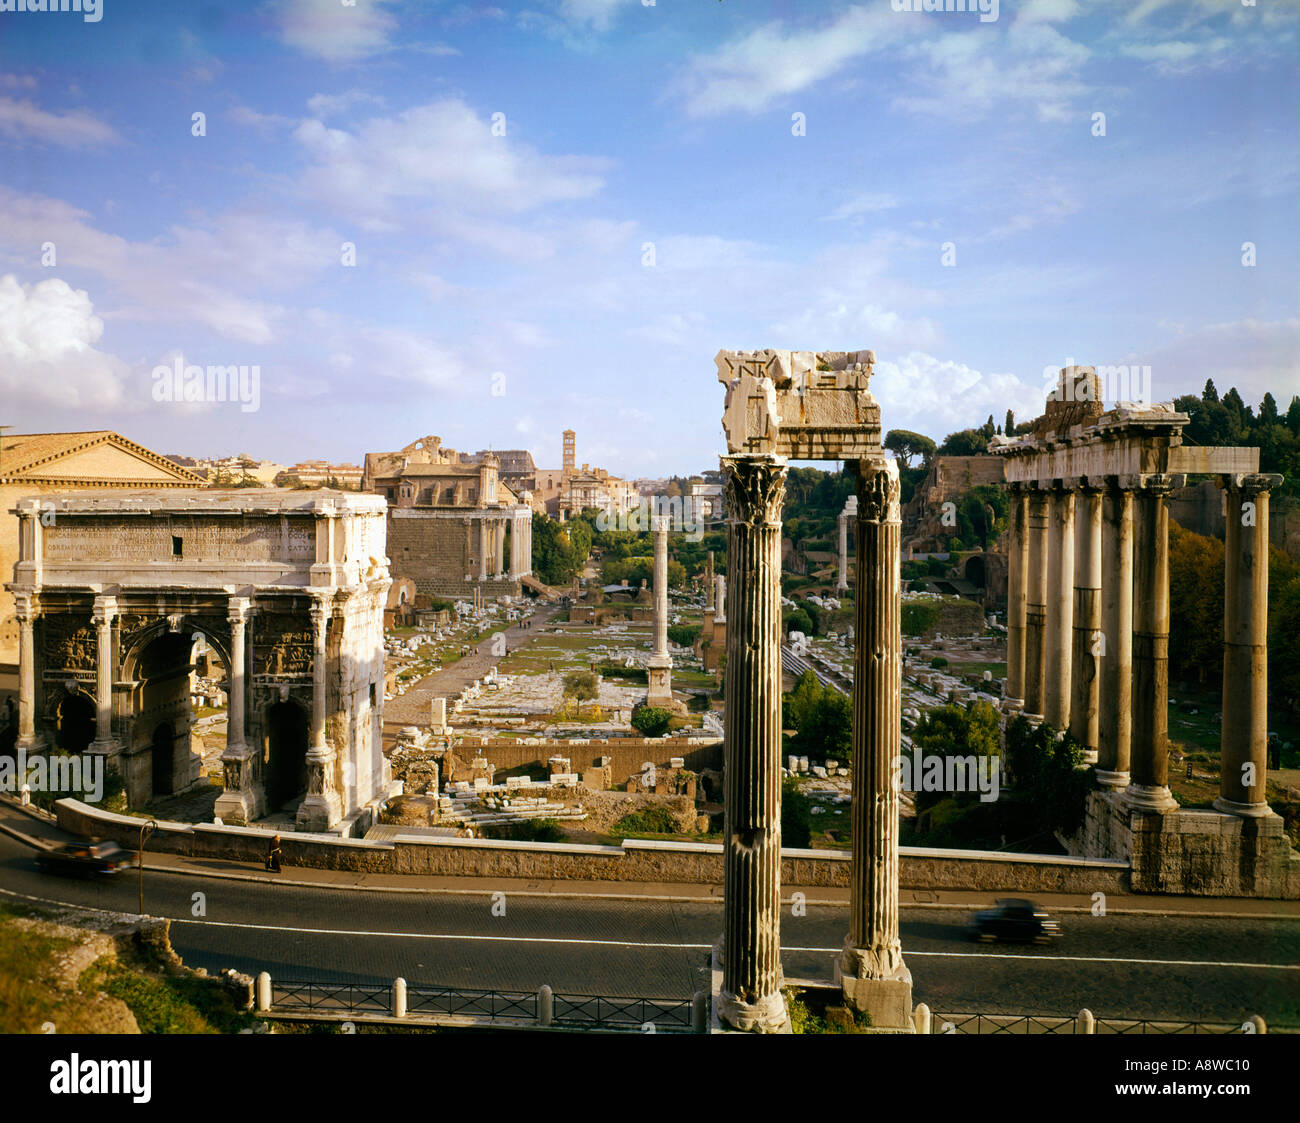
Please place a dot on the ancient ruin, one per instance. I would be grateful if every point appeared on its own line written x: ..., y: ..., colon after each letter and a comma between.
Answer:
x: 119, y: 595
x: 1088, y: 630
x: 807, y: 405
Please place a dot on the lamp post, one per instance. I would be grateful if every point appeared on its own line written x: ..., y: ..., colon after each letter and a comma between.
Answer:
x: 146, y: 829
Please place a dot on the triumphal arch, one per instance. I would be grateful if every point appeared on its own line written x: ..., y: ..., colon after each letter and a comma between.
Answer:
x: 119, y: 596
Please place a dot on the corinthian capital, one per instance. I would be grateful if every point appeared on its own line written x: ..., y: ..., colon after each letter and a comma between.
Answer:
x: 755, y: 488
x: 878, y: 490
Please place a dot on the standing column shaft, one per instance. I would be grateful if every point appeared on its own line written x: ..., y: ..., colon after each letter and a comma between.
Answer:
x: 320, y: 809
x: 661, y: 585
x: 1084, y: 661
x: 1244, y: 737
x: 1017, y: 566
x: 1059, y: 620
x: 499, y: 527
x: 870, y: 970
x: 1115, y: 707
x: 105, y: 609
x: 237, y: 618
x: 1035, y: 603
x: 482, y: 547
x: 26, y: 612
x: 751, y: 945
x: 843, y: 582
x: 1148, y: 790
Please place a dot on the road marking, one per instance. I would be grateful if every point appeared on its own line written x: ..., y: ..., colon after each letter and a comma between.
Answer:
x: 650, y: 944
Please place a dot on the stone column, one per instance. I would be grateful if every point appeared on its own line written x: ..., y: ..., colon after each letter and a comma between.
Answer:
x: 1035, y: 603
x: 1059, y: 622
x: 103, y: 614
x: 321, y: 808
x: 499, y: 527
x: 842, y: 585
x: 1084, y: 659
x: 1017, y: 569
x: 750, y: 997
x: 1244, y: 739
x: 237, y: 803
x: 1148, y: 789
x: 25, y: 610
x: 482, y: 547
x: 660, y: 666
x: 870, y: 970
x: 1114, y: 702
x: 720, y: 596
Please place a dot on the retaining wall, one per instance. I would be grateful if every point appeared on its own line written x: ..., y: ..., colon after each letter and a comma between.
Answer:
x: 635, y: 860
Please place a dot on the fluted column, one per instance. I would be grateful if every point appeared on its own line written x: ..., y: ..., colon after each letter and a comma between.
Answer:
x: 870, y: 969
x: 1115, y: 696
x: 1148, y: 789
x: 1085, y: 658
x: 751, y: 997
x: 1244, y: 737
x: 1035, y: 603
x: 1017, y: 568
x: 321, y: 808
x: 482, y: 547
x: 499, y: 529
x: 842, y: 584
x: 25, y: 610
x: 1059, y: 621
x: 103, y: 614
x: 659, y: 669
x: 237, y: 617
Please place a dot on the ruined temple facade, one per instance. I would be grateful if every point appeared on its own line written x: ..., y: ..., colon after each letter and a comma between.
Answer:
x: 119, y: 596
x: 1088, y: 635
x: 454, y: 526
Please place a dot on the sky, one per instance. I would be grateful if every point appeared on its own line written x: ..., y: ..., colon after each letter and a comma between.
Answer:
x: 495, y: 222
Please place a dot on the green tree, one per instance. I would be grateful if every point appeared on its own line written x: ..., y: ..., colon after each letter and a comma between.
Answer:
x: 650, y: 721
x: 969, y: 442
x: 581, y: 686
x: 906, y: 445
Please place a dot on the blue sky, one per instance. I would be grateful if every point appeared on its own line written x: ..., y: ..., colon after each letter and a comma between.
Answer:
x: 502, y: 289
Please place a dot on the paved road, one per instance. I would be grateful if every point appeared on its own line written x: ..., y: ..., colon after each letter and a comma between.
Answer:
x: 1194, y: 968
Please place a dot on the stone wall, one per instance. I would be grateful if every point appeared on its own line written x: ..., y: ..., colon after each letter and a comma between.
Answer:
x: 634, y: 861
x: 627, y: 754
x: 437, y: 550
x: 1197, y: 853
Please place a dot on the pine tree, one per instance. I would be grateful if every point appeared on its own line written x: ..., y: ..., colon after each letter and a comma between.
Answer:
x: 1209, y: 394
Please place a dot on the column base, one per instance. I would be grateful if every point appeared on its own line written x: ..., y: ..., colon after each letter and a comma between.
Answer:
x: 1107, y: 779
x: 767, y: 1015
x: 109, y: 747
x: 236, y: 808
x: 1090, y: 757
x: 887, y: 1001
x: 1245, y: 810
x: 318, y: 812
x: 1149, y: 798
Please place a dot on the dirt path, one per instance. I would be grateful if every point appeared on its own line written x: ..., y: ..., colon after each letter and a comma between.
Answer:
x: 412, y: 708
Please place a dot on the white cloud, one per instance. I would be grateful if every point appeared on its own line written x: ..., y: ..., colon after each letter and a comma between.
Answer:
x: 751, y: 73
x: 441, y: 160
x: 327, y: 105
x: 865, y: 203
x: 1256, y: 356
x: 47, y: 353
x: 25, y: 121
x: 939, y: 396
x: 334, y: 31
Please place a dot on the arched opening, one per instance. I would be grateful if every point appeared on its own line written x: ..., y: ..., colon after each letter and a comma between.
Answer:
x: 163, y: 752
x: 975, y: 572
x: 76, y: 724
x: 165, y: 671
x: 285, y: 761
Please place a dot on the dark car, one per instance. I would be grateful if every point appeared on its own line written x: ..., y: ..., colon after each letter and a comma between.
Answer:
x: 1014, y: 919
x: 87, y: 858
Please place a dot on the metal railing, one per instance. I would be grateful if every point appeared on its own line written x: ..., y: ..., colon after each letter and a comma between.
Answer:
x: 1083, y: 1023
x: 665, y: 1015
x: 542, y: 1007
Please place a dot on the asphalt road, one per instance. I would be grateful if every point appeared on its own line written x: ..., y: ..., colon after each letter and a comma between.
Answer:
x: 1192, y: 968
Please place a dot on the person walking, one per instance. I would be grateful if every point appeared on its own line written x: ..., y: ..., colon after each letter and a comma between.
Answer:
x: 273, y: 855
